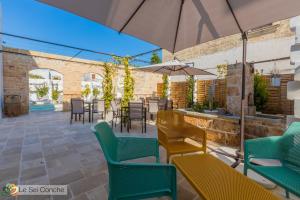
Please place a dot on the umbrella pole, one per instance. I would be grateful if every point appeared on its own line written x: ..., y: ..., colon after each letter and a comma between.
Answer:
x: 240, y: 152
x: 242, y: 131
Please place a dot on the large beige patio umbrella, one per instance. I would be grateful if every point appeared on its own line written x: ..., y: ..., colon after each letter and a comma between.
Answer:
x: 174, y: 68
x: 178, y: 24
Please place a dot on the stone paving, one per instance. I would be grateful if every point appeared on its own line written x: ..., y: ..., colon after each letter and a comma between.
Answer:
x: 43, y: 148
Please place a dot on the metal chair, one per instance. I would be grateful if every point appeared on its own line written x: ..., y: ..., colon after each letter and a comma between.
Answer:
x: 153, y: 108
x: 98, y: 107
x: 136, y: 113
x: 169, y: 104
x: 77, y: 108
x: 162, y: 104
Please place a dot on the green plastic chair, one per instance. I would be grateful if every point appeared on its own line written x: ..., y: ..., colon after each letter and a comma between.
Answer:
x: 134, y: 180
x: 285, y: 148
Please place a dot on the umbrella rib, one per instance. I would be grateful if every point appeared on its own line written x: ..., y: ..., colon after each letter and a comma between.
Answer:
x: 182, y: 68
x: 185, y: 71
x: 177, y: 27
x: 133, y: 14
x: 159, y: 69
x: 234, y: 16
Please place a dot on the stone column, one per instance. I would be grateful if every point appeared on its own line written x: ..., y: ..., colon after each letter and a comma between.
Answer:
x: 234, y: 88
x: 293, y: 87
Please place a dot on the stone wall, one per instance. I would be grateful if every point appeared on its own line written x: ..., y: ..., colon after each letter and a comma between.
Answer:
x: 17, y: 64
x: 277, y: 30
x: 226, y: 129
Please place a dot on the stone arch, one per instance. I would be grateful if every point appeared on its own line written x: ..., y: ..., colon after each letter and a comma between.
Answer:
x: 47, y: 78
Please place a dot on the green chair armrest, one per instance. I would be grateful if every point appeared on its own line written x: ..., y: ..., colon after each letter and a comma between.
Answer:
x: 267, y: 147
x: 137, y: 147
x: 138, y: 180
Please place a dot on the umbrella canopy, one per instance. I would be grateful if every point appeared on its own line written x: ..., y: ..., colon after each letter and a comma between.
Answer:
x: 178, y: 24
x: 174, y: 68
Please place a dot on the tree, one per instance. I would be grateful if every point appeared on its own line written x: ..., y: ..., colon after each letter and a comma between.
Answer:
x: 155, y: 58
x: 260, y: 91
x: 107, y: 84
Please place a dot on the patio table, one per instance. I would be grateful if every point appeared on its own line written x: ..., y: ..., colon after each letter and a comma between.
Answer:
x: 213, y: 179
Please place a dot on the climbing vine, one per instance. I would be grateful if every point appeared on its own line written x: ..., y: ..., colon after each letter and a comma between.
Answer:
x: 128, y: 80
x: 190, y: 91
x: 165, y: 86
x: 222, y: 71
x: 107, y: 84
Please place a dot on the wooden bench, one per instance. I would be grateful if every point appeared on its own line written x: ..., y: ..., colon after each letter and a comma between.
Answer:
x: 173, y: 134
x: 213, y: 179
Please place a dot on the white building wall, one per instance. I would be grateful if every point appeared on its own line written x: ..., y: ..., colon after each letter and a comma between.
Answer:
x: 256, y: 51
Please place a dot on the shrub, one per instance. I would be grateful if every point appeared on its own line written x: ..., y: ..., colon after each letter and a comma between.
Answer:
x: 197, y: 107
x: 260, y: 91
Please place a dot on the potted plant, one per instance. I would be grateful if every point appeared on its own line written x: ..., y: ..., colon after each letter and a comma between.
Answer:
x: 86, y: 92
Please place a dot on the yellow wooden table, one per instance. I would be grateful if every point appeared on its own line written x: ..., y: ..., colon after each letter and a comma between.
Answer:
x: 214, y: 180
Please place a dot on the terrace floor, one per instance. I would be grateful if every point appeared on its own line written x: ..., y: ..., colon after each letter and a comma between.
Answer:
x: 43, y: 148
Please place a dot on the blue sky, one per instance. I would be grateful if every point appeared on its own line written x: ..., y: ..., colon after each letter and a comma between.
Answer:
x: 33, y: 19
